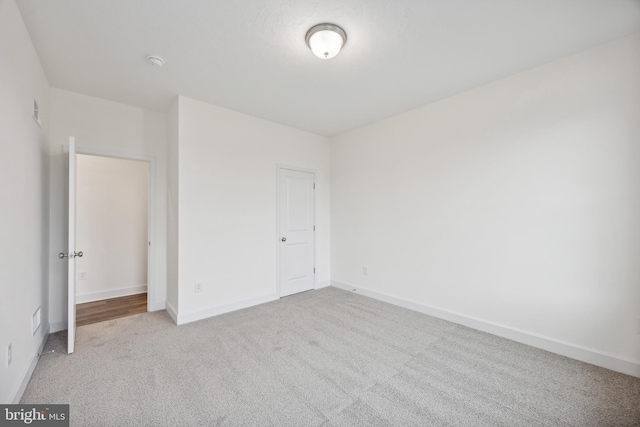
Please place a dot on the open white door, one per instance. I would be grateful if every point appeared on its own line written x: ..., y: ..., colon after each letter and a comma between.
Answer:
x: 296, y: 270
x: 71, y: 335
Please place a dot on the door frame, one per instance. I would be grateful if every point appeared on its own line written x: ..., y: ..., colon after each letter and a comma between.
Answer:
x: 279, y: 167
x: 151, y: 209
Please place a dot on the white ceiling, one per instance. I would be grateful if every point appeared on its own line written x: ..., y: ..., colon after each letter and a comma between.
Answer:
x: 250, y: 56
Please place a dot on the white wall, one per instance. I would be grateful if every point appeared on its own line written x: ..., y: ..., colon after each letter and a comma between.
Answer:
x: 116, y: 129
x: 172, y: 209
x: 24, y: 192
x: 227, y: 199
x: 516, y: 203
x: 111, y: 227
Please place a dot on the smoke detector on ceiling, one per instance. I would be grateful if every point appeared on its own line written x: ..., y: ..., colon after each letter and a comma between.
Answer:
x: 155, y: 60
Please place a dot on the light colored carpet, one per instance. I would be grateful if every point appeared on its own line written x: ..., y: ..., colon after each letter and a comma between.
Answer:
x: 321, y: 358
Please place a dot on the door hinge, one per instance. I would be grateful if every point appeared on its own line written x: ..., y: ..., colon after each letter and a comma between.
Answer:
x: 314, y: 271
x: 314, y: 185
x: 314, y: 228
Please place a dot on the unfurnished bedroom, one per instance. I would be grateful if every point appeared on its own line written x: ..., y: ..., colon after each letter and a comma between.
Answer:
x: 320, y: 213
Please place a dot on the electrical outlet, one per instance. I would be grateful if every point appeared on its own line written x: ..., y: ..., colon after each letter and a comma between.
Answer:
x: 365, y: 271
x: 82, y: 275
x: 198, y: 287
x: 9, y: 355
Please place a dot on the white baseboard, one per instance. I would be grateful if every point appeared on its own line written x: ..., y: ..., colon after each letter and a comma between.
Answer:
x: 32, y: 366
x: 584, y: 354
x: 172, y: 313
x: 215, y: 311
x: 324, y: 284
x: 115, y: 293
x: 57, y: 326
x: 157, y: 306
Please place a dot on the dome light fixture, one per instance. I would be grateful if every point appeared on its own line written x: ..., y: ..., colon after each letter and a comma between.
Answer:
x: 325, y: 40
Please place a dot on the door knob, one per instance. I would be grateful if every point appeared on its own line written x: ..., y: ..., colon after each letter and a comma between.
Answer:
x: 62, y: 255
x: 284, y: 239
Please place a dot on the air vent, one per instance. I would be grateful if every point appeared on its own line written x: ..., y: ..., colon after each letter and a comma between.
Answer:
x: 37, y: 319
x: 36, y: 113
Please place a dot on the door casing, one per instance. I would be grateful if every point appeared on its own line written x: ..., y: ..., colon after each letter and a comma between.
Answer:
x: 151, y: 212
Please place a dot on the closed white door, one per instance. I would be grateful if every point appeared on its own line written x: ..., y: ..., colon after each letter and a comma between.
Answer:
x: 296, y: 224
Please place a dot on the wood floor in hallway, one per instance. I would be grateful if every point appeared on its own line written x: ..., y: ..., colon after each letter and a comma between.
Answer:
x: 108, y: 309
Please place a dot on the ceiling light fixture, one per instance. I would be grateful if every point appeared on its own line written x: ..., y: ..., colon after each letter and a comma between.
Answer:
x: 155, y: 60
x: 325, y: 40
